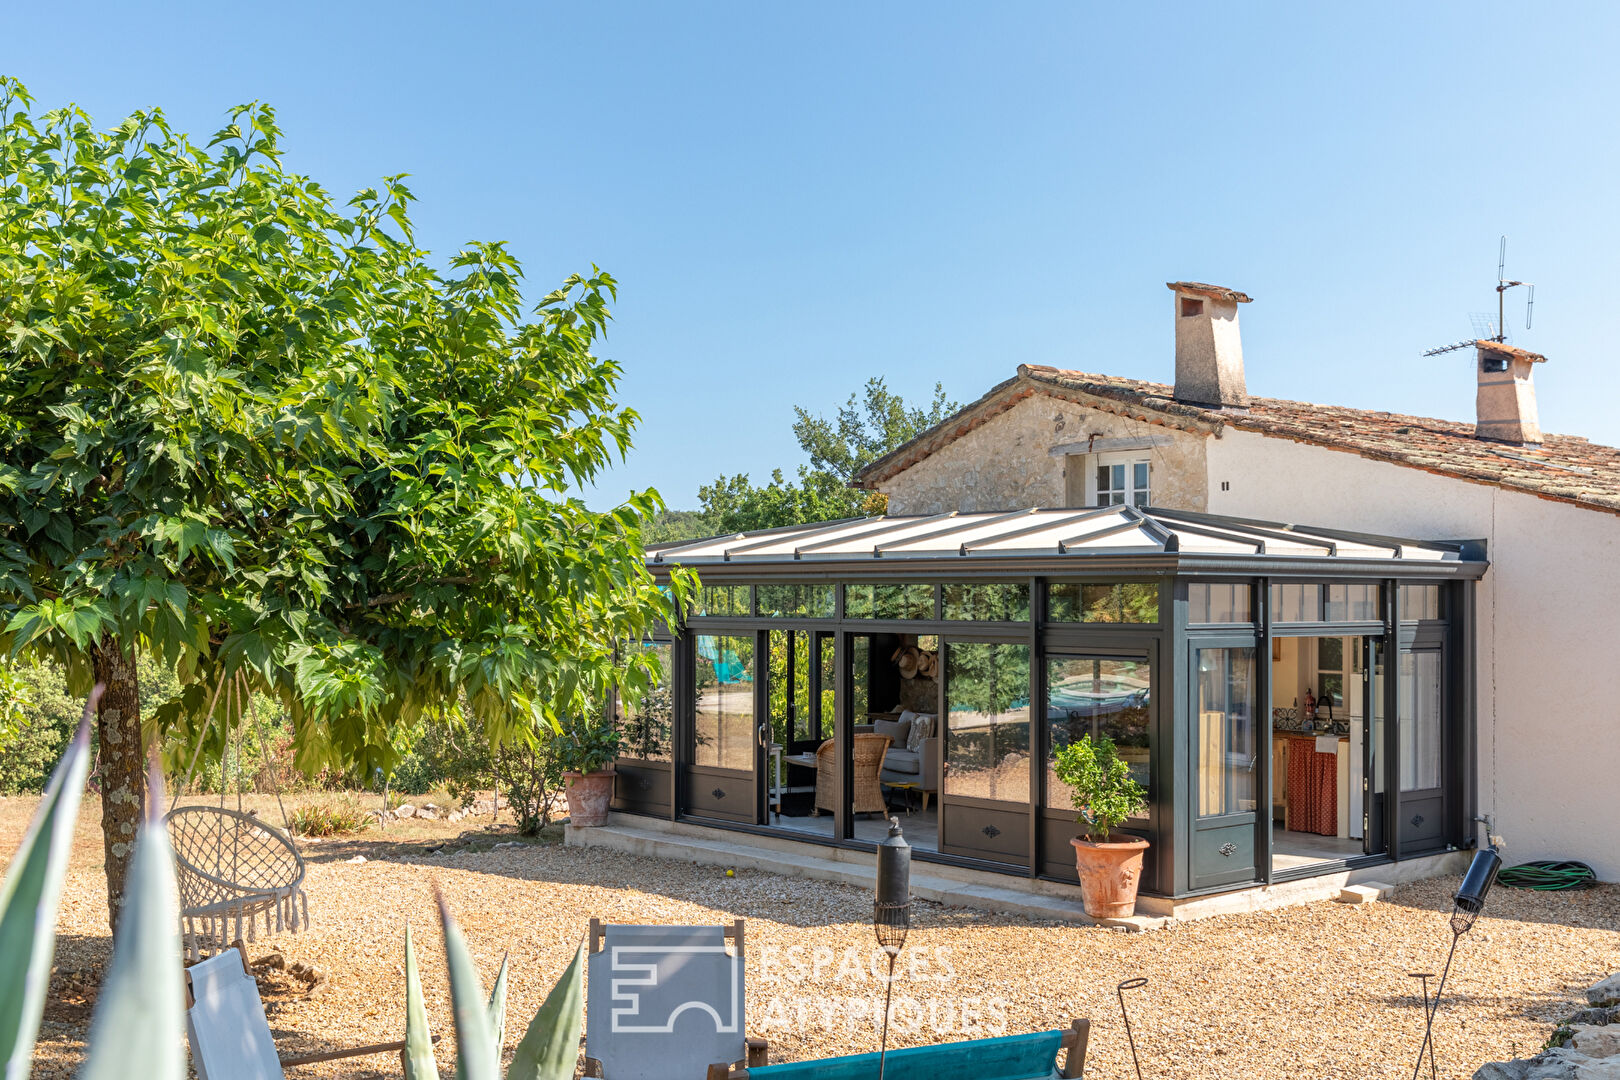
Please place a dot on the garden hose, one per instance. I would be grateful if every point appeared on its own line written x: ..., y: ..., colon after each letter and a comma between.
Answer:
x: 1548, y: 875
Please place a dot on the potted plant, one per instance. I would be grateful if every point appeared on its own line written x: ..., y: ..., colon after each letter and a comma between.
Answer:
x: 1103, y: 790
x: 586, y: 753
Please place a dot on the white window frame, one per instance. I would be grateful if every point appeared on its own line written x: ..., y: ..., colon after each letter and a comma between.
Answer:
x: 1130, y: 493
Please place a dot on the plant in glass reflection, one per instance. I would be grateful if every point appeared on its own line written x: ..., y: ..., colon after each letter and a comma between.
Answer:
x: 1100, y: 785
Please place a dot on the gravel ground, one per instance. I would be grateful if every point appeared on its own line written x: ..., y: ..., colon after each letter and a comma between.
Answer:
x: 1313, y: 991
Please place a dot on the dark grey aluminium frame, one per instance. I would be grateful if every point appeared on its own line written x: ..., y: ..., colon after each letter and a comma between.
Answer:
x: 1168, y: 647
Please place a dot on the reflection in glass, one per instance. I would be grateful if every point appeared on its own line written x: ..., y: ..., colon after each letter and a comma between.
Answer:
x: 724, y: 689
x: 987, y: 603
x: 796, y: 601
x: 1109, y: 602
x: 1226, y: 731
x: 987, y: 724
x: 1420, y: 602
x: 722, y: 600
x: 1419, y: 720
x: 889, y: 601
x: 646, y: 725
x: 1219, y: 602
x: 1092, y: 697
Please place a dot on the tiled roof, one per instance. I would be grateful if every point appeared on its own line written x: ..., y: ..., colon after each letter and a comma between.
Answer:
x: 1565, y: 468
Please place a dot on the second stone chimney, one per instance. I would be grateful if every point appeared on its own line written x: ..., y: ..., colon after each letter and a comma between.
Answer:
x: 1506, y: 401
x: 1209, y: 349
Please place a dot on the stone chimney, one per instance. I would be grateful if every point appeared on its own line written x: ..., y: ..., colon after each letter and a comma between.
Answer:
x: 1209, y: 350
x: 1506, y: 402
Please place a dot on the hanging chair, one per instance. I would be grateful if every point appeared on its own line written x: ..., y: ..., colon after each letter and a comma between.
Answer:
x: 233, y: 870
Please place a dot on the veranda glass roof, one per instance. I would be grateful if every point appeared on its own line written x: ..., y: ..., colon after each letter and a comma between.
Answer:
x: 1047, y: 534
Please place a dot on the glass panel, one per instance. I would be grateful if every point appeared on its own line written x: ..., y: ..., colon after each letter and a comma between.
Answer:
x: 889, y: 601
x: 829, y: 676
x: 1351, y: 603
x: 1296, y: 603
x: 987, y: 603
x: 1375, y: 743
x: 1330, y: 700
x: 1097, y: 697
x: 1420, y: 721
x: 646, y: 725
x: 987, y: 722
x: 1420, y: 602
x: 860, y: 678
x: 1219, y: 602
x: 1121, y: 602
x: 1226, y: 732
x: 796, y: 601
x: 723, y: 600
x: 804, y: 718
x: 724, y: 689
x: 1139, y: 483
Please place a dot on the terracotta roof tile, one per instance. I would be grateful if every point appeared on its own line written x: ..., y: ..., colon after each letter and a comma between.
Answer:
x: 1565, y: 468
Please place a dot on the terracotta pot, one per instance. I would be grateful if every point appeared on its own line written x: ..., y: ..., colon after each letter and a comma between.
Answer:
x: 588, y: 797
x: 1109, y: 874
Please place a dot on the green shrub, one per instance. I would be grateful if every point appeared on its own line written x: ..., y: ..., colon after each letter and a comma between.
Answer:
x: 1102, y: 787
x: 330, y: 817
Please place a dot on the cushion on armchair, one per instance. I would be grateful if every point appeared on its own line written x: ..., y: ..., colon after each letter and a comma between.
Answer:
x: 903, y: 761
x: 922, y: 727
x: 896, y: 730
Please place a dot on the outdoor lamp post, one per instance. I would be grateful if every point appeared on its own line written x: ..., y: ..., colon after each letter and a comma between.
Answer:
x: 891, y: 913
x: 1466, y: 906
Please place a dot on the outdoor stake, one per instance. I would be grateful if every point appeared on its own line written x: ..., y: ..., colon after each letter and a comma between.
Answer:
x: 1130, y: 984
x: 1466, y: 907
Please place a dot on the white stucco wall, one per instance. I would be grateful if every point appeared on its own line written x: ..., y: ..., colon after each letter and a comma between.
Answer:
x: 1549, y: 619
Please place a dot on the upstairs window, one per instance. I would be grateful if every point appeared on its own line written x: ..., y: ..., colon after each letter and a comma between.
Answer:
x: 1122, y: 479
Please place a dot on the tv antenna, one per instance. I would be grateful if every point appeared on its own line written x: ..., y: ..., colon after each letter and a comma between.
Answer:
x: 1484, y: 328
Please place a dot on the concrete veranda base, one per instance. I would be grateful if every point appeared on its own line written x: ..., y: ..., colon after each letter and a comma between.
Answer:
x: 956, y: 886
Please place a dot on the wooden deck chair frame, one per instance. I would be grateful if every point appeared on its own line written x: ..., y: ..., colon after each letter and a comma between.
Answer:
x: 292, y: 1060
x: 758, y: 1050
x: 1074, y: 1043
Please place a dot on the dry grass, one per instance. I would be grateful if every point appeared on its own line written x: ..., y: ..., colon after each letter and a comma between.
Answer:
x: 1315, y: 991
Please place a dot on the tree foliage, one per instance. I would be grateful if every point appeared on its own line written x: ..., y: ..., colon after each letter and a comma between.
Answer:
x: 251, y: 431
x: 865, y: 427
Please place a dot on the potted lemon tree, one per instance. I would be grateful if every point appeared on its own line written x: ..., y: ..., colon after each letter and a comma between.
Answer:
x: 586, y: 752
x: 1104, y: 792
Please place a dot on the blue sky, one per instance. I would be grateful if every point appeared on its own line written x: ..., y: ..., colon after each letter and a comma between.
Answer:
x: 796, y: 197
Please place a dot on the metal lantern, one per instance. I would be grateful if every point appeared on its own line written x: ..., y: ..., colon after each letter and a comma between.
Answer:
x: 891, y: 913
x: 1466, y: 905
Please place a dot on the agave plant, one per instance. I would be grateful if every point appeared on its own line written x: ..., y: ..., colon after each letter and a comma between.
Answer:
x: 549, y: 1048
x: 138, y: 1026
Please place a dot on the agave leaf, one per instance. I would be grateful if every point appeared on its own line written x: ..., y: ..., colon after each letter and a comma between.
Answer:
x: 497, y: 1008
x: 139, y: 1024
x: 28, y: 901
x: 420, y: 1063
x: 550, y: 1048
x: 476, y: 1058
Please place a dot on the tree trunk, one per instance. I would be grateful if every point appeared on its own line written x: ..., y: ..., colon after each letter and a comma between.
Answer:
x: 122, y: 765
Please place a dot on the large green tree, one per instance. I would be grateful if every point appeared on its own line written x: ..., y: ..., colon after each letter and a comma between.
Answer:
x: 256, y: 434
x: 866, y: 427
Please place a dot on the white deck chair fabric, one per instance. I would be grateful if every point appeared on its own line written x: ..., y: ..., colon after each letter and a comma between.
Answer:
x: 230, y: 1037
x: 664, y: 1001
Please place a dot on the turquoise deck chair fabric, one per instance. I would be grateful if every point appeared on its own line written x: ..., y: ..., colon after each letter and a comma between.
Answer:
x: 1011, y: 1057
x: 728, y: 667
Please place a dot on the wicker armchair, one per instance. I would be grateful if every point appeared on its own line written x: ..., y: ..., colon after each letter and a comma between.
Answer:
x: 869, y: 751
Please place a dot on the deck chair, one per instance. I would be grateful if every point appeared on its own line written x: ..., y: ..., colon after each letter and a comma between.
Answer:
x: 665, y: 1001
x: 1009, y: 1057
x: 227, y: 1029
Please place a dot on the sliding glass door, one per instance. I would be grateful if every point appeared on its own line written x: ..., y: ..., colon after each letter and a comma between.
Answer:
x: 726, y: 738
x: 1226, y: 768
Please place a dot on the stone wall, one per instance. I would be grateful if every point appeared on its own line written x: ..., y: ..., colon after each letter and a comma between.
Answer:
x: 1006, y: 464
